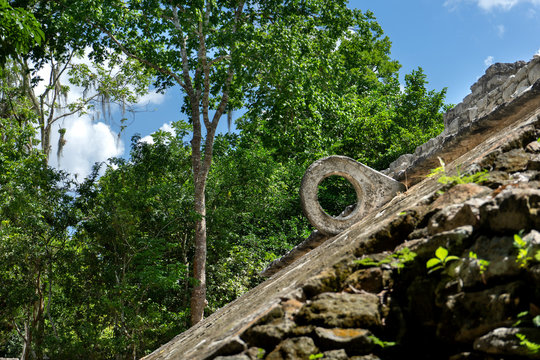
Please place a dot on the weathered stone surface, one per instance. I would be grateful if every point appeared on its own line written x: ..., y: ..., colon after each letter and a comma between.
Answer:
x: 469, y: 356
x: 293, y: 349
x: 269, y: 335
x: 460, y: 193
x: 501, y: 254
x: 373, y: 189
x: 503, y: 341
x: 534, y: 73
x: 454, y: 240
x: 233, y: 357
x: 342, y: 310
x: 255, y: 353
x: 365, y: 357
x: 533, y: 147
x: 468, y: 315
x: 230, y: 347
x: 512, y: 209
x: 355, y: 341
x: 497, y: 178
x: 489, y: 96
x: 372, y: 280
x: 326, y: 281
x: 454, y: 216
x: 512, y: 161
x: 335, y: 355
x: 534, y: 162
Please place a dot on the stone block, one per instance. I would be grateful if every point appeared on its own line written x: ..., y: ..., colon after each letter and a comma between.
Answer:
x: 342, y: 310
x: 508, y: 90
x: 469, y: 315
x: 496, y: 81
x: 534, y: 73
x: 294, y: 348
x: 503, y: 341
x: 521, y: 74
x: 522, y: 87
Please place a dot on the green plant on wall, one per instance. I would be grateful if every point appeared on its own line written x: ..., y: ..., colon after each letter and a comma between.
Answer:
x: 397, y: 260
x: 521, y: 245
x: 459, y: 178
x: 440, y: 260
x: 383, y: 344
x: 532, y: 347
x: 481, y: 262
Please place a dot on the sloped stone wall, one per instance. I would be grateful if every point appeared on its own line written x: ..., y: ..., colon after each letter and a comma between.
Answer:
x: 367, y: 294
x: 387, y: 305
x: 495, y: 101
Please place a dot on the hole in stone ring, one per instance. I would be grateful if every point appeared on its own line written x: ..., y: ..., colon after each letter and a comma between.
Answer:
x: 335, y: 194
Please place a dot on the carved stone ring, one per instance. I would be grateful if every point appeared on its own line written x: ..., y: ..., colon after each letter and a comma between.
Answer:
x: 372, y: 188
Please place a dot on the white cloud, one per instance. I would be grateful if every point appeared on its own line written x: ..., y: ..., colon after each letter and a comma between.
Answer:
x: 489, y: 5
x: 538, y: 52
x: 165, y: 127
x: 502, y: 4
x: 500, y: 30
x: 87, y: 142
x: 152, y: 98
x: 488, y: 61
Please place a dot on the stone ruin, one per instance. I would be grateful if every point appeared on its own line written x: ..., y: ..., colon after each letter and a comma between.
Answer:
x: 366, y: 293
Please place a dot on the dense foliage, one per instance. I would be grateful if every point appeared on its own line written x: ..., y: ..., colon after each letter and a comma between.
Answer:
x: 103, y: 268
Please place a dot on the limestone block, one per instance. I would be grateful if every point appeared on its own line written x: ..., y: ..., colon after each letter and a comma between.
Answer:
x: 294, y: 348
x: 468, y: 100
x: 521, y: 74
x: 508, y: 89
x: 503, y: 341
x: 492, y: 308
x: 523, y: 86
x: 356, y: 341
x: 534, y: 73
x: 342, y: 310
x: 477, y: 89
x: 512, y: 210
x: 481, y: 104
x: 493, y: 95
x: 472, y: 113
x: 496, y: 81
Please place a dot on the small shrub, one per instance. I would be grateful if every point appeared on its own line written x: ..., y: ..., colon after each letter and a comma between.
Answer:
x: 440, y: 260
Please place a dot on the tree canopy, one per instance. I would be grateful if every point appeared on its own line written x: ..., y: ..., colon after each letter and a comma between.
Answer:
x: 120, y: 262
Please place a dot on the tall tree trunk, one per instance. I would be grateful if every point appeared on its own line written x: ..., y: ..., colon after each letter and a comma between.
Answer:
x: 198, y: 295
x: 27, y: 340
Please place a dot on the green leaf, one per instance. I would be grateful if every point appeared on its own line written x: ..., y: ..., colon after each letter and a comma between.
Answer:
x: 441, y: 253
x: 432, y: 262
x: 536, y: 321
x: 451, y: 258
x: 519, y: 242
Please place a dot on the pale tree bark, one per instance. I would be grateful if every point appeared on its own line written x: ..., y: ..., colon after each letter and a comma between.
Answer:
x: 199, y: 102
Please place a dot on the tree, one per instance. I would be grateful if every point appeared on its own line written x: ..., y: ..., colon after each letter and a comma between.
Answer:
x: 35, y: 215
x: 19, y: 31
x: 211, y: 50
x: 134, y: 252
x: 323, y: 97
x: 47, y: 45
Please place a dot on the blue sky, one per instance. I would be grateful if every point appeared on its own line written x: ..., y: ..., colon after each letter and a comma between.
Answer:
x: 454, y: 41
